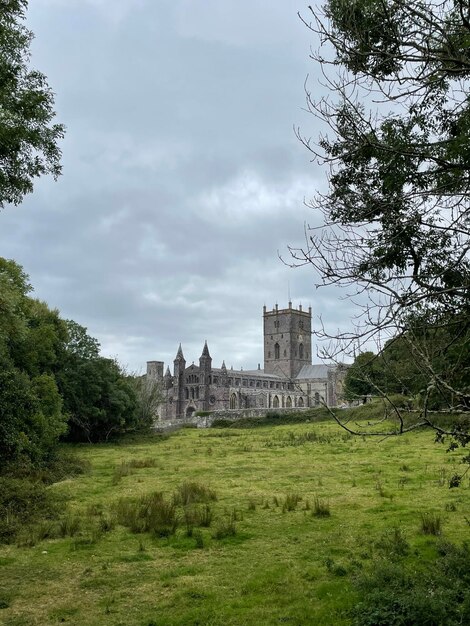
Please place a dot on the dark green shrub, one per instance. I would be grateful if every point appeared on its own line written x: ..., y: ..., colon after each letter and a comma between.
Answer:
x: 436, y: 595
x: 24, y: 502
x: 393, y: 543
x: 199, y: 539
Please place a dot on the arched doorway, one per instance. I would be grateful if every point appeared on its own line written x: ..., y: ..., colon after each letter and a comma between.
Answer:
x: 276, y: 402
x: 189, y: 411
x: 289, y: 402
x: 300, y: 402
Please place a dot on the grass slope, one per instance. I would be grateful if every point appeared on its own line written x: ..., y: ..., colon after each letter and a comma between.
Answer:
x: 284, y: 564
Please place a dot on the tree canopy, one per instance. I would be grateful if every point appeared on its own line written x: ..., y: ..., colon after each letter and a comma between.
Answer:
x: 28, y: 136
x: 53, y: 381
x: 396, y: 214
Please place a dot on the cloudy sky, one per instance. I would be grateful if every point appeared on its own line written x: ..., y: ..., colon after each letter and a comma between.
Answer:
x: 182, y: 178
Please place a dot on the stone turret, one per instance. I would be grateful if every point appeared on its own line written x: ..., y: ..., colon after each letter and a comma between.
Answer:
x: 205, y: 364
x: 223, y: 375
x: 205, y: 370
x: 179, y: 367
x: 167, y: 382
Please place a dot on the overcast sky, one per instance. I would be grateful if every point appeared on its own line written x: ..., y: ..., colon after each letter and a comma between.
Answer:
x: 182, y: 177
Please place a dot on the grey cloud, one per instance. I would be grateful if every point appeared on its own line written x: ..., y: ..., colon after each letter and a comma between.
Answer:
x: 182, y: 176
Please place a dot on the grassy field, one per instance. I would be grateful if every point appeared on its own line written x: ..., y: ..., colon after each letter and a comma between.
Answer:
x: 270, y: 554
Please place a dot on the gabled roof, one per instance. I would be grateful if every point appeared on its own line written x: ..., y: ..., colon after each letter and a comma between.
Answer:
x: 314, y: 371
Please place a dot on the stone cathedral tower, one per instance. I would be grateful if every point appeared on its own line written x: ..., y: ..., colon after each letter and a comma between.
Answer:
x: 287, y: 340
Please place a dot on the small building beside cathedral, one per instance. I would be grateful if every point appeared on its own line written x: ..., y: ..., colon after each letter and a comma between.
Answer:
x: 288, y: 379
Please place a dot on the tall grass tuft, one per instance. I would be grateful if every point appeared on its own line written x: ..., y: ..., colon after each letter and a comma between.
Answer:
x: 320, y: 508
x: 430, y: 524
x: 197, y: 516
x: 290, y: 502
x: 69, y: 526
x: 149, y: 513
x: 191, y: 492
x: 226, y: 526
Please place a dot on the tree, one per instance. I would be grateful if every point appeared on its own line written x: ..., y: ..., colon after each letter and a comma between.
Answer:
x: 98, y: 399
x: 31, y: 418
x: 362, y: 377
x: 396, y: 215
x: 28, y: 138
x: 149, y: 395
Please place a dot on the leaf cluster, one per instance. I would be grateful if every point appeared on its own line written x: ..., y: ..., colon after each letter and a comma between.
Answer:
x: 28, y: 136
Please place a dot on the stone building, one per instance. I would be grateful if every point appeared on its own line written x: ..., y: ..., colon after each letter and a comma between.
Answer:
x: 288, y: 380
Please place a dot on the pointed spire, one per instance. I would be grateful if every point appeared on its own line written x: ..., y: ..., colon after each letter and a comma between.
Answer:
x: 205, y: 350
x: 179, y: 354
x: 167, y: 373
x: 223, y: 366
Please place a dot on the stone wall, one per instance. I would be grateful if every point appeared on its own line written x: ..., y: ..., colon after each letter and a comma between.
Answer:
x: 205, y: 421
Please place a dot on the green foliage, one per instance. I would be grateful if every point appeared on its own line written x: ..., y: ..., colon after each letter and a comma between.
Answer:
x: 392, y: 596
x: 98, y: 399
x: 149, y: 397
x: 23, y: 502
x: 396, y: 210
x: 28, y: 138
x: 51, y: 373
x: 362, y: 377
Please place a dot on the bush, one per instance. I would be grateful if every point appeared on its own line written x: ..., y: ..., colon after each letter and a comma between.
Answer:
x: 439, y: 594
x: 22, y: 503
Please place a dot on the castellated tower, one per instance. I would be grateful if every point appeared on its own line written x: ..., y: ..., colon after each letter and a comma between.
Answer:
x: 155, y: 370
x: 287, y: 340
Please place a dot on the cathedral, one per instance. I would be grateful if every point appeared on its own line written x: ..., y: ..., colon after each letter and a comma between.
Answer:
x: 288, y: 379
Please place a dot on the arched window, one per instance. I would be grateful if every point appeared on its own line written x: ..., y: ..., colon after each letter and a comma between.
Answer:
x: 289, y: 402
x: 186, y: 391
x: 300, y: 402
x: 317, y: 398
x: 233, y: 401
x: 276, y: 402
x: 276, y: 351
x: 301, y: 351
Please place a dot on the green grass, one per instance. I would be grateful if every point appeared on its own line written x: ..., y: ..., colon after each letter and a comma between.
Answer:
x: 243, y: 544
